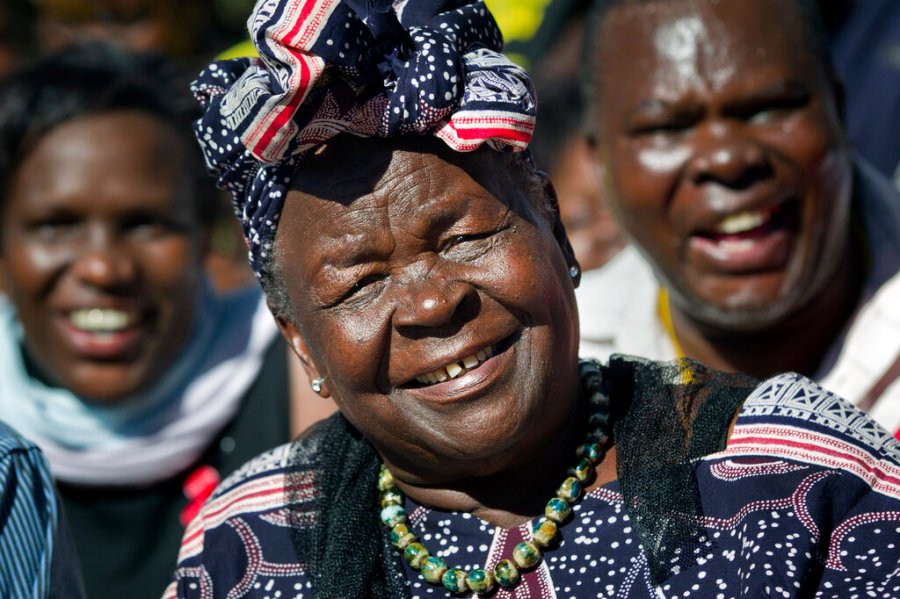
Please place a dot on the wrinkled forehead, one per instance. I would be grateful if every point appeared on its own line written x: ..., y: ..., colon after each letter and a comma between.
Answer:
x: 682, y: 42
x: 406, y: 169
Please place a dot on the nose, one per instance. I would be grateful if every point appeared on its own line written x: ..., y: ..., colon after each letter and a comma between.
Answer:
x: 103, y: 263
x: 725, y: 155
x: 431, y: 302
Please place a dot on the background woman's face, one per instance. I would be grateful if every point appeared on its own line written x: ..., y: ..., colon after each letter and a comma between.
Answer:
x: 725, y: 152
x: 101, y: 253
x: 439, y: 305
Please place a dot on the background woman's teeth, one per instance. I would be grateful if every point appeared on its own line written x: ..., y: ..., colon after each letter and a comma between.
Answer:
x: 453, y: 370
x: 741, y: 222
x: 470, y: 361
x: 100, y: 320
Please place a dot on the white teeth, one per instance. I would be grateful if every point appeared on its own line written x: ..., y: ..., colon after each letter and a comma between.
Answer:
x: 741, y: 222
x: 99, y: 320
x: 454, y: 369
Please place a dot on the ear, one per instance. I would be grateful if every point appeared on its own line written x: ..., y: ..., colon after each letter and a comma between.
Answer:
x: 559, y: 230
x: 292, y: 334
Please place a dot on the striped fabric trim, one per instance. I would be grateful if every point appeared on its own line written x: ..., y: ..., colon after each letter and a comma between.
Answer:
x: 28, y: 519
x: 261, y: 495
x: 809, y: 447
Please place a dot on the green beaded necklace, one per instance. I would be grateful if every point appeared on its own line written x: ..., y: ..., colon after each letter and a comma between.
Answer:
x: 526, y: 554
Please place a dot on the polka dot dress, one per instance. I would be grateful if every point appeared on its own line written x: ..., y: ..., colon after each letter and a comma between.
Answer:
x: 803, y: 502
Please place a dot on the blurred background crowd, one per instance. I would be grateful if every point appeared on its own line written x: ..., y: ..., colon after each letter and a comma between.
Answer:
x: 67, y: 161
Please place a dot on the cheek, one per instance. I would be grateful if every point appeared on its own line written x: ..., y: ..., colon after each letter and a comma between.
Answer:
x: 643, y: 178
x: 28, y: 267
x: 350, y: 343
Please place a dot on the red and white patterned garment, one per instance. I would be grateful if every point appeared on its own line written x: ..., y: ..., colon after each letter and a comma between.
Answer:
x: 803, y: 502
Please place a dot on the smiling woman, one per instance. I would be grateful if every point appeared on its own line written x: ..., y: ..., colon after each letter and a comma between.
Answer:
x: 117, y: 358
x: 416, y: 263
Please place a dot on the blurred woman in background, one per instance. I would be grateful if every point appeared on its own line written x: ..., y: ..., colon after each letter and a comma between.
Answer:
x: 139, y: 383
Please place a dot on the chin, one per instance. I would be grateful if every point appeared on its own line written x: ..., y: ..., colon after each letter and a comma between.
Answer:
x: 105, y: 387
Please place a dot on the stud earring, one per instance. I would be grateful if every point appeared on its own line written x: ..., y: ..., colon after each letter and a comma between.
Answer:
x: 574, y: 271
x: 317, y: 385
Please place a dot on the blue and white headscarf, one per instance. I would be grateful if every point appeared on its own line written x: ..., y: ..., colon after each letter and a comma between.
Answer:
x: 365, y: 67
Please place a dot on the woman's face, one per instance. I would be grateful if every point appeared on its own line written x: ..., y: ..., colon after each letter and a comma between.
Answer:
x: 101, y: 253
x: 436, y: 299
x: 723, y: 144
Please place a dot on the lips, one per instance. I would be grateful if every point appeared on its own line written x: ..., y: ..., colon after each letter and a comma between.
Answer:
x: 464, y: 377
x: 754, y: 239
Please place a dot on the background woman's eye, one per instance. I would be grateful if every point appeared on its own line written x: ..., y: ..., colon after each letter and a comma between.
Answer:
x: 54, y: 228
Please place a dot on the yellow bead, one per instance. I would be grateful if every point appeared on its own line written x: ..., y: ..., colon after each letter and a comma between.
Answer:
x: 591, y: 451
x: 582, y: 470
x: 401, y: 536
x: 391, y: 496
x: 385, y: 479
x: 415, y: 553
x: 544, y: 532
x: 433, y: 569
x: 480, y: 581
x: 569, y: 490
x: 526, y: 554
x: 557, y: 510
x: 454, y: 580
x: 506, y: 573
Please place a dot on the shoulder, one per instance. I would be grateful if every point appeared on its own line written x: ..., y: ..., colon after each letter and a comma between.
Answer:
x: 18, y: 453
x: 791, y: 417
x: 12, y: 442
x: 28, y: 519
x: 264, y: 479
x: 253, y: 514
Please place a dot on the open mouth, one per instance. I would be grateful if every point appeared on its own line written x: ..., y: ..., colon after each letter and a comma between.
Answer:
x: 456, y: 369
x: 741, y: 231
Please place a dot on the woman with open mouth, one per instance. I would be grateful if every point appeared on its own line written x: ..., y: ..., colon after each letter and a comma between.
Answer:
x: 140, y: 384
x: 415, y: 261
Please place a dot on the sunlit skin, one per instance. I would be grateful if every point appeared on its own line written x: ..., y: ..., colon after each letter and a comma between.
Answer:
x: 399, y: 259
x: 707, y: 110
x: 100, y: 214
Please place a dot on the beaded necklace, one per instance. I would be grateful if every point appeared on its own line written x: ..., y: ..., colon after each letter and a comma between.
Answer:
x: 526, y: 554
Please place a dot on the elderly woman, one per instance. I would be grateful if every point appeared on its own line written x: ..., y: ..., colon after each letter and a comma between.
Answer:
x: 140, y: 385
x: 416, y: 263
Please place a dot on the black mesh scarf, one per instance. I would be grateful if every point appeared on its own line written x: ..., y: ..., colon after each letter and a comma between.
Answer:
x: 347, y: 551
x: 671, y: 415
x: 667, y: 416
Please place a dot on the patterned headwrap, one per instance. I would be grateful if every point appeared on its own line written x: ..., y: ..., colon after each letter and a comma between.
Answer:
x: 366, y: 67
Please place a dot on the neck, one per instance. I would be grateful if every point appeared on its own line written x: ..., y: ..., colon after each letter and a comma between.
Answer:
x: 519, y: 492
x: 798, y: 344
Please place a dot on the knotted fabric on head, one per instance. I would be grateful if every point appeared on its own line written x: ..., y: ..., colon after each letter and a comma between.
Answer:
x: 365, y: 67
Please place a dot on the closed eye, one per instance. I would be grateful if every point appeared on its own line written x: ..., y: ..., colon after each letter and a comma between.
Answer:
x: 363, y: 289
